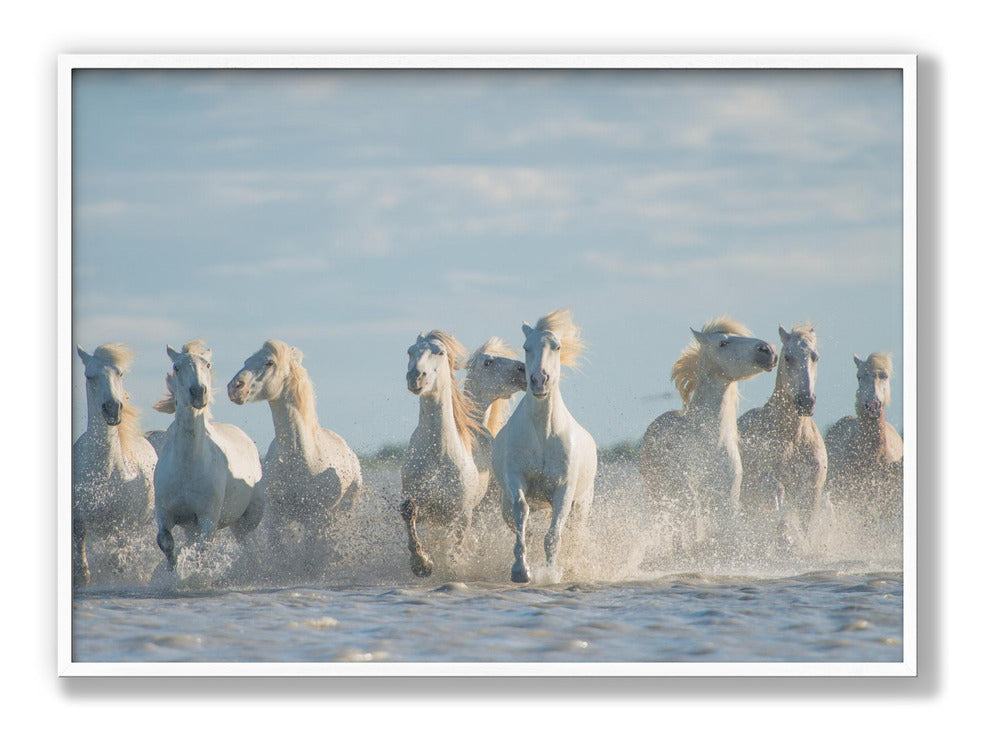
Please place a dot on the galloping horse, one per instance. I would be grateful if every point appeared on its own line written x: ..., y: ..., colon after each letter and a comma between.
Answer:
x: 112, y: 462
x: 690, y: 458
x: 543, y: 455
x: 784, y: 457
x: 866, y: 452
x: 493, y: 375
x: 439, y: 474
x: 207, y: 474
x: 309, y: 472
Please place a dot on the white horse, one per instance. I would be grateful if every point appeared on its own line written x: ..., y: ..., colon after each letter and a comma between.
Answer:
x: 439, y: 474
x: 543, y: 455
x: 207, y: 474
x: 112, y: 462
x: 866, y: 452
x: 309, y: 472
x: 690, y: 458
x: 783, y: 454
x: 493, y: 375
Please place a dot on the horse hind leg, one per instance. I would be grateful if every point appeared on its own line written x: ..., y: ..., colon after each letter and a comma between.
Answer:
x: 420, y: 563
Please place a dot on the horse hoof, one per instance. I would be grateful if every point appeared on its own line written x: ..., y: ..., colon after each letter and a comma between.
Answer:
x: 519, y: 576
x: 421, y: 566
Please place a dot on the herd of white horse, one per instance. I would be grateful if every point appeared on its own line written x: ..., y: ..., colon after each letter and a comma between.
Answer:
x: 701, y: 466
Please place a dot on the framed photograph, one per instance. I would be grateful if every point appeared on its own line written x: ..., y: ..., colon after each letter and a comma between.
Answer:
x: 512, y: 365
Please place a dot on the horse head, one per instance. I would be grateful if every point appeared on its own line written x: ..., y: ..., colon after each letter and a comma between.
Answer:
x: 873, y: 384
x: 796, y: 379
x: 105, y: 371
x: 732, y: 357
x: 191, y: 378
x: 264, y: 373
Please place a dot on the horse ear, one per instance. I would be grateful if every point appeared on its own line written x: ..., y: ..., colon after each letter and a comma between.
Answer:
x: 297, y: 355
x: 785, y: 335
x: 857, y: 360
x: 171, y: 353
x: 526, y: 329
x: 699, y: 337
x: 84, y: 356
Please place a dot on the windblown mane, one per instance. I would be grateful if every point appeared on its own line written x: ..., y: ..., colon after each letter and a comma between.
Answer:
x: 296, y: 379
x: 805, y: 330
x: 169, y: 404
x: 121, y: 356
x: 496, y: 414
x: 685, y: 370
x: 560, y: 323
x: 462, y: 410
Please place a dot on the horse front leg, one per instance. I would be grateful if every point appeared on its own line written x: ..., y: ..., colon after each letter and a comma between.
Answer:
x: 561, y: 507
x: 519, y: 572
x: 81, y: 569
x: 165, y: 540
x: 420, y: 563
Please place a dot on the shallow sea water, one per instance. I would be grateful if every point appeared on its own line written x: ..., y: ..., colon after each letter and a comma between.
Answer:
x: 622, y: 597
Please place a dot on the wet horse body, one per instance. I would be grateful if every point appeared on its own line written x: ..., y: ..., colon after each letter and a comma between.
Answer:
x: 112, y: 462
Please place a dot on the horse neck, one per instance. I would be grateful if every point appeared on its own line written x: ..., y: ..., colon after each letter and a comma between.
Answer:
x: 786, y: 415
x: 437, y: 420
x: 291, y: 429
x: 714, y: 403
x: 873, y: 432
x: 545, y: 412
x: 107, y: 439
x: 190, y: 428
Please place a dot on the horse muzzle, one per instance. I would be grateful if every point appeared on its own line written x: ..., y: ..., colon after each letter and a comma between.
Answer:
x: 766, y: 356
x: 199, y: 397
x: 521, y: 377
x: 237, y: 390
x: 112, y: 412
x: 805, y: 405
x: 873, y: 408
x: 415, y: 381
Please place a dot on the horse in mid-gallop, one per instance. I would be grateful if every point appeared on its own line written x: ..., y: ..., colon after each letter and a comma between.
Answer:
x: 543, y: 456
x: 440, y: 479
x: 690, y: 458
x: 112, y: 462
x: 207, y: 474
x: 866, y: 452
x: 310, y: 474
x: 493, y: 375
x: 783, y: 453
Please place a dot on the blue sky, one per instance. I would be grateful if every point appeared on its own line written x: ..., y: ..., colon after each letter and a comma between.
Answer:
x: 344, y: 212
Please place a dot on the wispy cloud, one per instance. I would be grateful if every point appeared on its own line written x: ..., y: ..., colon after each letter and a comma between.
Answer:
x: 266, y: 267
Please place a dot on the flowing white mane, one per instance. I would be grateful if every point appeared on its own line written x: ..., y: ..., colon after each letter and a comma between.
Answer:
x: 560, y: 323
x: 685, y: 374
x: 496, y: 414
x: 296, y: 379
x: 462, y: 410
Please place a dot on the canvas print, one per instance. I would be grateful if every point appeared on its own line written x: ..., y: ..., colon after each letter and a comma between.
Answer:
x: 487, y: 366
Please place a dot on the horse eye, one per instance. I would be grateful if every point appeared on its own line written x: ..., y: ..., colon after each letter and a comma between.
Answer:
x: 815, y: 357
x: 723, y: 344
x: 177, y: 367
x: 270, y: 362
x: 209, y: 365
x: 520, y: 369
x: 487, y: 362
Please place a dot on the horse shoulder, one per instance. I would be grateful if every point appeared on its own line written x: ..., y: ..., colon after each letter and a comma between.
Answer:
x: 237, y: 450
x: 894, y: 444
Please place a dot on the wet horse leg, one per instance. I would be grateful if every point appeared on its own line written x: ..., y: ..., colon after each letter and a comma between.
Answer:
x: 81, y: 569
x: 560, y: 512
x: 420, y: 562
x: 519, y: 515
